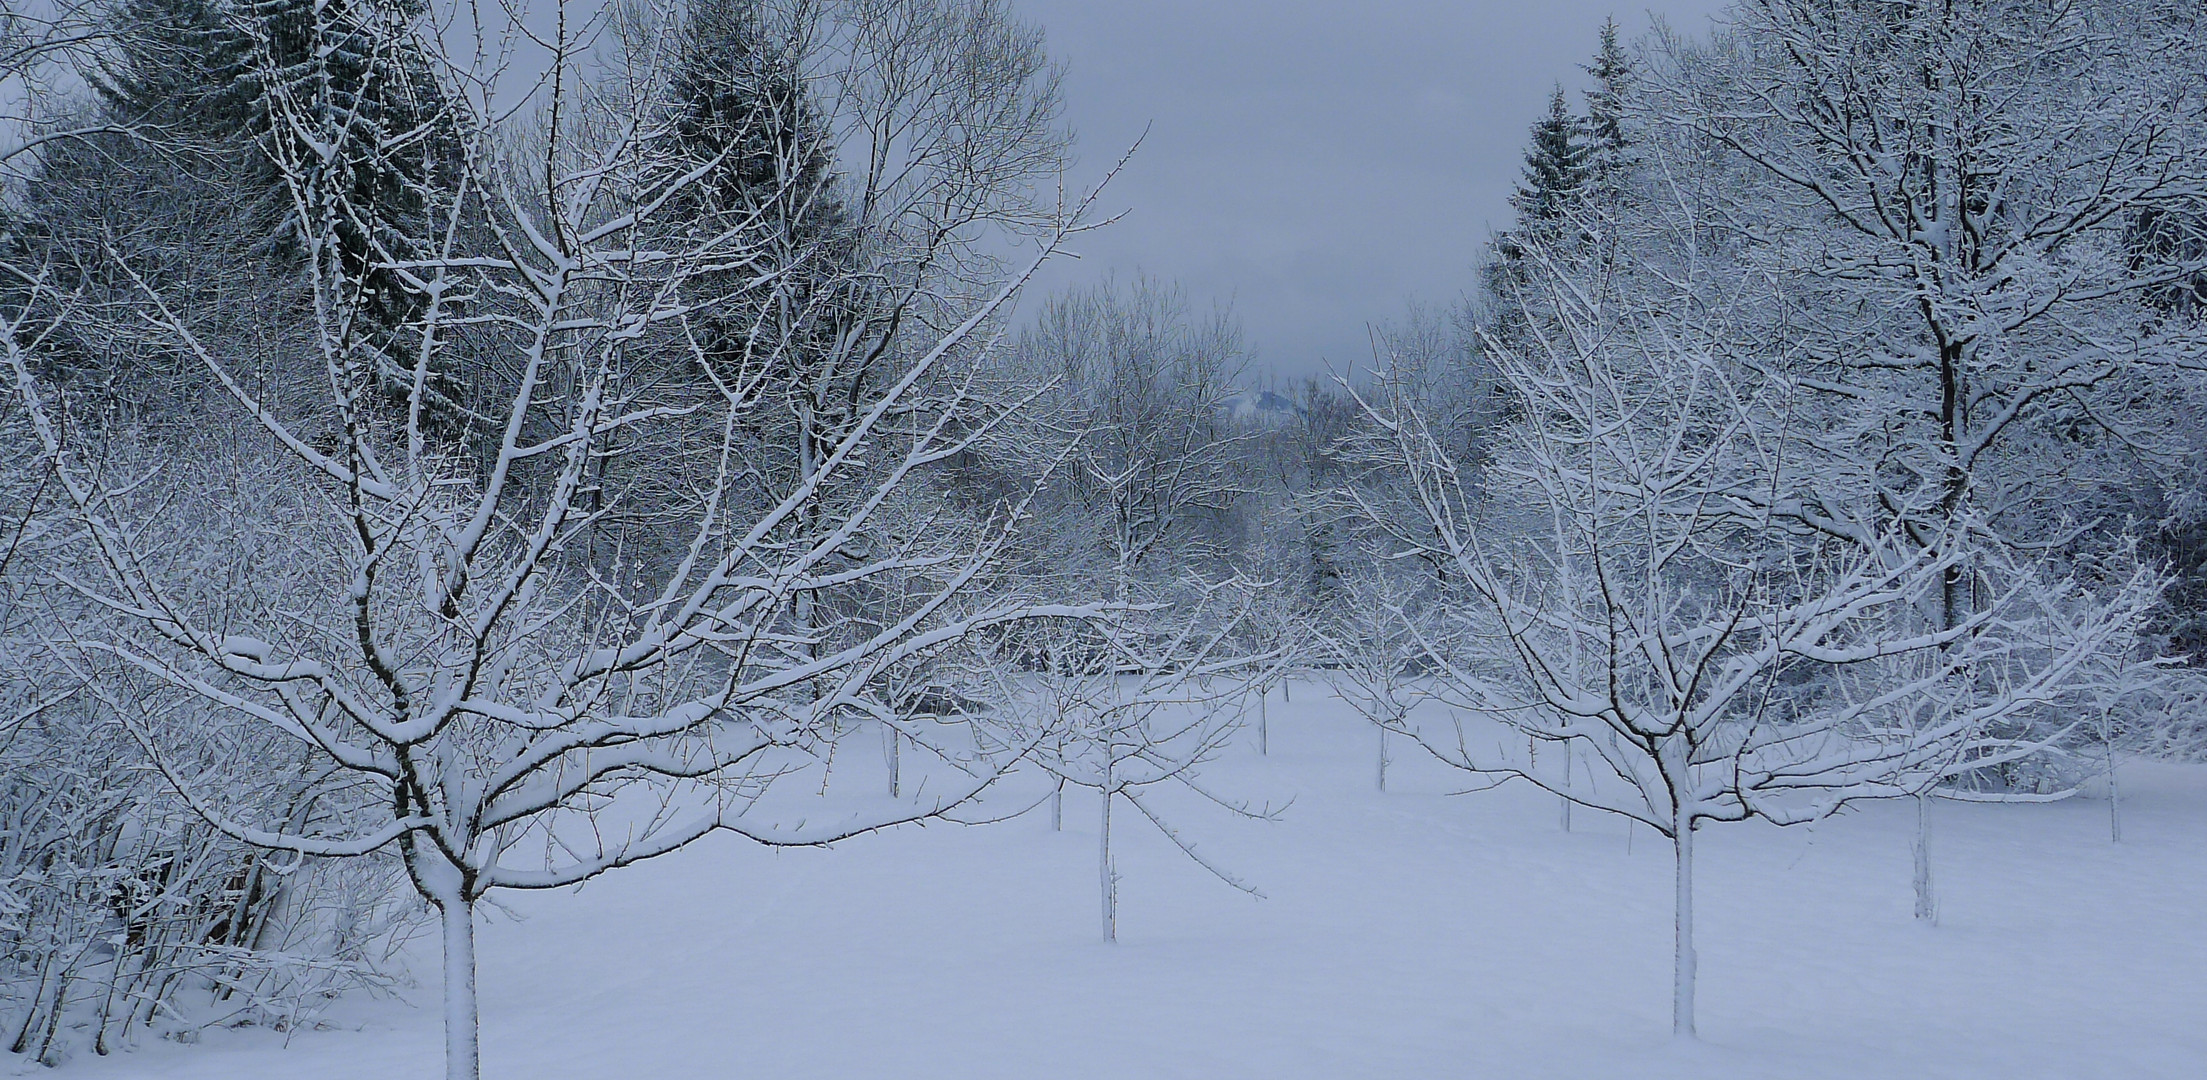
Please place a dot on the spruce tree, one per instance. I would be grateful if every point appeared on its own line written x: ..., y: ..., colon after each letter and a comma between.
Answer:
x: 1555, y: 173
x: 202, y: 77
x: 737, y: 91
x: 345, y: 60
x: 1569, y: 159
x: 799, y: 313
x: 181, y: 67
x: 1606, y: 141
x: 1555, y: 166
x: 170, y: 193
x: 797, y: 321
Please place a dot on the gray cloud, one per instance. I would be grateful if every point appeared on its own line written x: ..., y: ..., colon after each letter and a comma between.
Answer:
x: 1316, y: 163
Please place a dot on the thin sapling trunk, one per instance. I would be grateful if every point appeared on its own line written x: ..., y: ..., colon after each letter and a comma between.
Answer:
x: 1927, y: 906
x: 1106, y: 877
x: 894, y: 752
x: 1264, y: 741
x: 1684, y: 964
x: 2114, y: 784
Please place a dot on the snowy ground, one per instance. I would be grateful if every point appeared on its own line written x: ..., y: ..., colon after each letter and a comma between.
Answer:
x: 1406, y: 934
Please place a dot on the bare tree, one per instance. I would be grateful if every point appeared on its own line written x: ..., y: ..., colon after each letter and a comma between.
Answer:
x: 1951, y: 195
x: 2125, y: 699
x: 873, y: 154
x: 45, y: 50
x: 1981, y: 216
x: 1141, y: 702
x: 1617, y: 585
x: 1377, y: 654
x: 1142, y: 387
x: 120, y: 908
x: 531, y: 712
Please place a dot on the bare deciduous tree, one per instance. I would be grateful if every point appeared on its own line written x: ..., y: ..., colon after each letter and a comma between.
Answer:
x: 1142, y: 388
x: 533, y: 712
x: 1138, y: 703
x: 1982, y: 217
x: 1618, y: 586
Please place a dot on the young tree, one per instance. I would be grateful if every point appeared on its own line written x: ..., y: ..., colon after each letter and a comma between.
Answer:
x: 1377, y: 658
x: 1948, y: 194
x: 429, y: 625
x: 1615, y: 584
x: 1136, y: 704
x: 120, y: 908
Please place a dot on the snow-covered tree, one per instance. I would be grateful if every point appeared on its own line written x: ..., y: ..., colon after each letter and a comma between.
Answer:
x: 203, y: 79
x: 432, y: 625
x: 1140, y: 702
x: 1555, y: 165
x: 1154, y: 466
x: 1944, y: 190
x: 869, y: 151
x: 1377, y: 658
x: 1607, y: 141
x: 1948, y: 198
x: 122, y: 910
x: 1618, y: 585
x: 44, y: 48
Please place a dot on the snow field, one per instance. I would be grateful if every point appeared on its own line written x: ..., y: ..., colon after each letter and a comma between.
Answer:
x: 1407, y: 934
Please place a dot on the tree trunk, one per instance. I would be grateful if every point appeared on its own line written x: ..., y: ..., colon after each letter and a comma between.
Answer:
x: 1383, y: 757
x: 1057, y: 808
x: 22, y: 1041
x: 462, y: 1056
x: 106, y: 1015
x: 1927, y: 906
x: 1684, y: 965
x: 1532, y: 765
x: 2114, y: 802
x: 49, y: 1054
x: 895, y: 751
x: 1565, y: 799
x: 1263, y: 736
x: 1107, y: 878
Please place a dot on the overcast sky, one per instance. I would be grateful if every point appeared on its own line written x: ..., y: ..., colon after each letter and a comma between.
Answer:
x: 1316, y: 163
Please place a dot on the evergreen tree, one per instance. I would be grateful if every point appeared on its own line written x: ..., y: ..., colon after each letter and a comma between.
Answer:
x: 347, y: 59
x: 176, y: 185
x: 797, y: 320
x: 1606, y: 141
x: 1555, y: 173
x: 1555, y: 165
x: 182, y: 67
x: 738, y: 96
x: 204, y: 76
